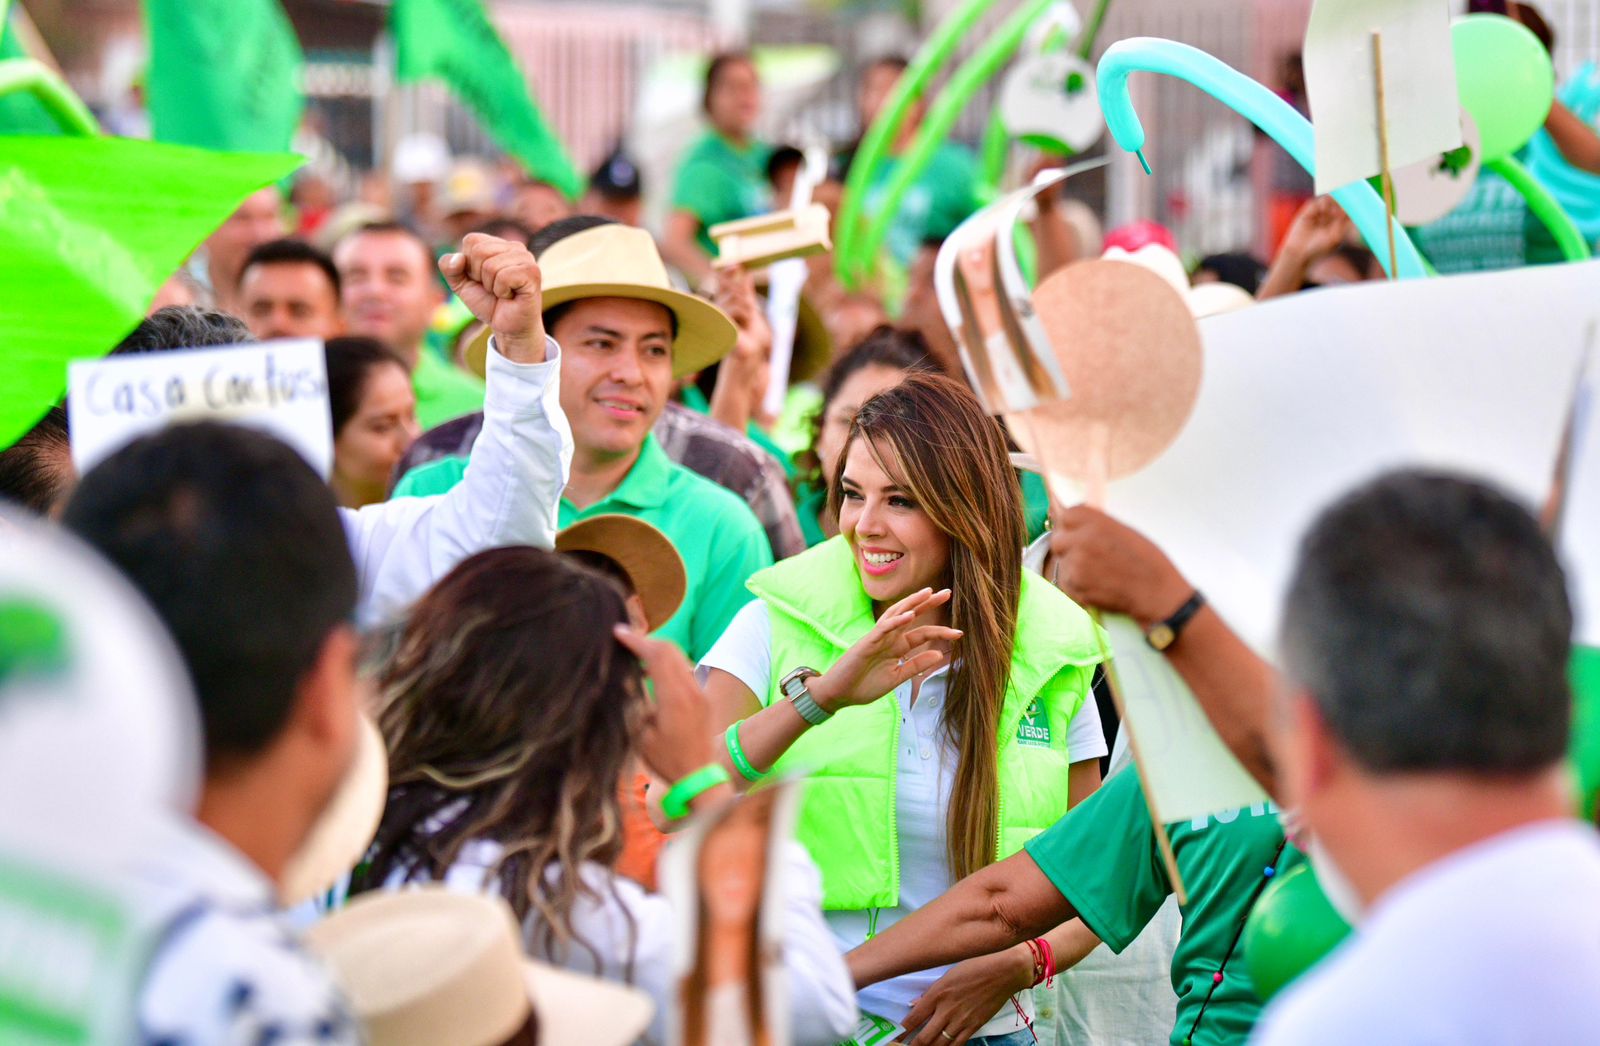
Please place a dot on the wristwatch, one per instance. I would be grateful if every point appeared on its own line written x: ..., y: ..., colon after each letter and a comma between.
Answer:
x: 1163, y: 634
x: 793, y: 686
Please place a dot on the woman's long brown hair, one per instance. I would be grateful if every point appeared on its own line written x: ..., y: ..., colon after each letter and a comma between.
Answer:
x: 930, y: 433
x: 509, y: 711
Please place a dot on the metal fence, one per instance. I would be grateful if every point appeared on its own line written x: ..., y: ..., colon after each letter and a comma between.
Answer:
x: 587, y: 63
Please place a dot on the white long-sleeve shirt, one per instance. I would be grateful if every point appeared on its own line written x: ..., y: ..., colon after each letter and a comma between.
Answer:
x: 511, y: 494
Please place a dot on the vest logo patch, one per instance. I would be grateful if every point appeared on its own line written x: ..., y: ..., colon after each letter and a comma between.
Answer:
x: 1034, y: 730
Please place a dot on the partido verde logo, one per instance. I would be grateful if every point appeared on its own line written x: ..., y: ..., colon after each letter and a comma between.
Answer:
x: 1034, y: 730
x: 33, y: 642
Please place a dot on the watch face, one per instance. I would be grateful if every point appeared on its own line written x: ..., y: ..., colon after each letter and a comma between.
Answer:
x: 1161, y: 636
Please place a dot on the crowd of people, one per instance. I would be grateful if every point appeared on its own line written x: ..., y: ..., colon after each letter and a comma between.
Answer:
x: 587, y: 591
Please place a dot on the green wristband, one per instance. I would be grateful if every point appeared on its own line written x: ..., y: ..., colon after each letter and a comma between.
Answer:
x: 741, y: 762
x: 675, y: 804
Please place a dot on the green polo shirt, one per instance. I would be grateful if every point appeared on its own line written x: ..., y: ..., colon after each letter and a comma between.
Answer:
x: 719, y: 182
x: 719, y: 538
x: 1104, y: 859
x: 944, y: 195
x: 443, y: 391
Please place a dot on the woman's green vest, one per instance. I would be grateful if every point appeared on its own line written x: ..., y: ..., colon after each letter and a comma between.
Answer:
x: 847, y: 810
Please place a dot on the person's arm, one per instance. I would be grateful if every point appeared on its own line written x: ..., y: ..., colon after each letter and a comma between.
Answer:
x: 991, y: 910
x: 520, y: 461
x: 895, y: 651
x: 1578, y: 142
x: 971, y: 992
x: 742, y: 375
x: 1058, y: 243
x: 1083, y: 778
x: 1319, y: 228
x: 680, y: 246
x: 1102, y: 563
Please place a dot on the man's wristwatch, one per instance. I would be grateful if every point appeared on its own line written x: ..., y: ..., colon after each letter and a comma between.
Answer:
x: 1163, y: 634
x: 793, y: 687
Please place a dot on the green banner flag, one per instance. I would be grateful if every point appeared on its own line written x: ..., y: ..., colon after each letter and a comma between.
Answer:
x: 224, y: 74
x: 454, y: 41
x: 89, y: 229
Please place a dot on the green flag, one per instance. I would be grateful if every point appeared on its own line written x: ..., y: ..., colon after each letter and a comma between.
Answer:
x: 454, y: 41
x: 224, y: 74
x: 89, y: 229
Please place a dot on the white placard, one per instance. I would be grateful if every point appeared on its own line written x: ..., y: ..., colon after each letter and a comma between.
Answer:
x: 278, y: 386
x: 1306, y: 397
x: 1419, y: 73
x: 1580, y: 519
x: 1187, y: 770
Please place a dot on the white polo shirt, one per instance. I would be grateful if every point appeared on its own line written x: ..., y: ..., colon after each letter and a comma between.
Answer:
x: 925, y: 767
x: 1497, y: 943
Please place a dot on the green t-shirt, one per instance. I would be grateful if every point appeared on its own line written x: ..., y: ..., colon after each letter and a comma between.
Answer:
x: 443, y: 391
x: 1035, y: 504
x: 810, y: 499
x: 941, y: 198
x: 719, y: 538
x: 1104, y: 859
x: 719, y: 182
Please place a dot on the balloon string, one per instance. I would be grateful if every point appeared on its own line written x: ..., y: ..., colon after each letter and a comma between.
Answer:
x: 1383, y: 150
x: 1098, y: 471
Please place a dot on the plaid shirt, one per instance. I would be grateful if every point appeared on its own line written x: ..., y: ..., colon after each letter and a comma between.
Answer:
x: 692, y: 440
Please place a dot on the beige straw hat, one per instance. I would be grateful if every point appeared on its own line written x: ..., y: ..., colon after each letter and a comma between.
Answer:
x: 620, y: 261
x: 345, y: 830
x: 644, y: 553
x: 432, y: 967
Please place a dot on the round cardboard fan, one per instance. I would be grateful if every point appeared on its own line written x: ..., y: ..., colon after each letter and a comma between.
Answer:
x: 1131, y: 353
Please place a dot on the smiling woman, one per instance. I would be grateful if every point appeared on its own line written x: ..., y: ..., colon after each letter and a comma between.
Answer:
x: 374, y: 417
x: 915, y: 634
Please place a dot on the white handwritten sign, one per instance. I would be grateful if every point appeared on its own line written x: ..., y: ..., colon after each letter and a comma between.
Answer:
x: 280, y: 387
x: 1421, y: 106
x: 1187, y: 771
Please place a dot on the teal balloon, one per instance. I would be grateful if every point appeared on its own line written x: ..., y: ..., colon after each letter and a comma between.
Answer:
x: 1291, y: 928
x: 1506, y: 80
x: 1256, y: 103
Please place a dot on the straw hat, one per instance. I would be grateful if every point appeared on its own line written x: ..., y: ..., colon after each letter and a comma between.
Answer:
x: 343, y: 832
x: 429, y: 966
x: 647, y: 556
x: 620, y: 261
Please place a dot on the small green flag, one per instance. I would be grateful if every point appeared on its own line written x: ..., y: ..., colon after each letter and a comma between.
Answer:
x: 224, y: 74
x: 454, y: 41
x: 89, y: 229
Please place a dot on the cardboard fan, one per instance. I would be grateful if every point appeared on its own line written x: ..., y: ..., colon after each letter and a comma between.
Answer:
x: 1131, y: 353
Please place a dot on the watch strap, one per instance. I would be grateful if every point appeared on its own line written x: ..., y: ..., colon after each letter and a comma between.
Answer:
x: 1163, y: 634
x: 808, y: 708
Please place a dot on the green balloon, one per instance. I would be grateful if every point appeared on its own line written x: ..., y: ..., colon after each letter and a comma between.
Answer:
x: 1291, y: 928
x: 1506, y: 80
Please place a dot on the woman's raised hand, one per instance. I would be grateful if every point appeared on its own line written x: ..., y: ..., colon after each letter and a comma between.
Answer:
x: 894, y: 651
